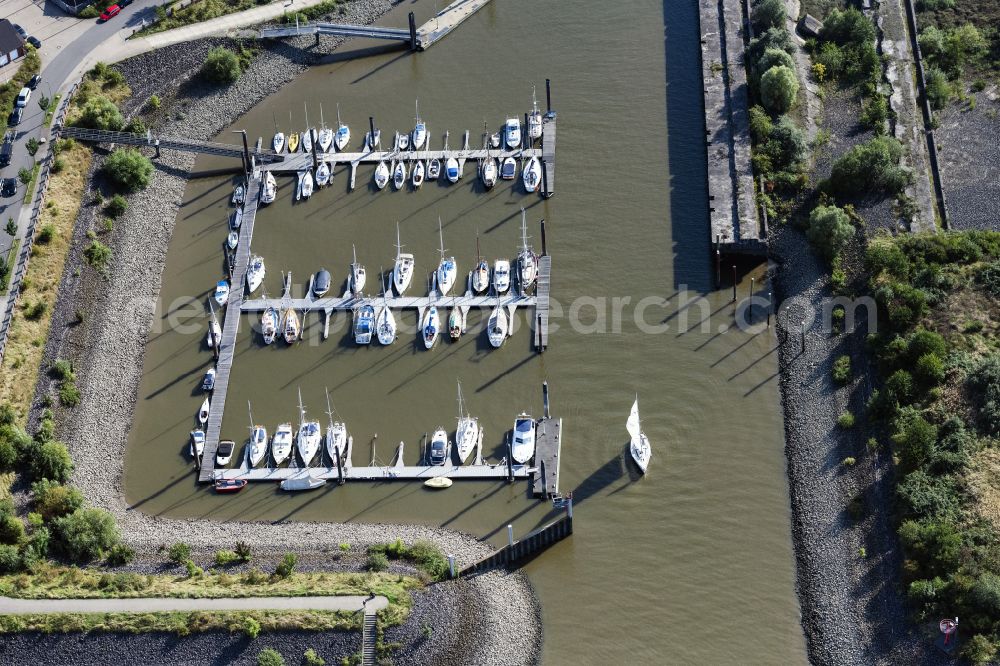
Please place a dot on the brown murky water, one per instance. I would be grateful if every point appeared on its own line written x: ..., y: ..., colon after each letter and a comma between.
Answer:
x: 691, y: 563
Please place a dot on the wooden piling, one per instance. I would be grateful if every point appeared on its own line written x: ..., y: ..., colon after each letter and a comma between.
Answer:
x: 413, y: 32
x: 544, y: 246
x: 548, y: 96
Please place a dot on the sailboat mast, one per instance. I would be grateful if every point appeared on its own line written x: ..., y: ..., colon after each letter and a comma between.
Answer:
x: 461, y: 409
x: 306, y: 107
x: 302, y: 410
x: 441, y: 236
x: 322, y: 123
x: 329, y: 408
x: 338, y: 116
x: 250, y: 411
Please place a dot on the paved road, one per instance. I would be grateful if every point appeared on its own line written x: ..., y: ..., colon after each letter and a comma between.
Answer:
x: 9, y: 606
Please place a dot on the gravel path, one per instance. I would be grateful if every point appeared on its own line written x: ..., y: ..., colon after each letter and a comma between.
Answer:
x: 166, y: 605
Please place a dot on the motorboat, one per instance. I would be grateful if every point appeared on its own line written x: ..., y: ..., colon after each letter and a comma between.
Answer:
x: 495, y: 140
x: 451, y: 170
x: 239, y: 195
x: 527, y: 260
x: 306, y: 185
x: 281, y: 444
x: 364, y: 323
x: 293, y: 142
x: 230, y: 485
x: 258, y: 444
x: 321, y: 283
x: 214, y: 333
x: 323, y: 173
x: 501, y: 276
x: 402, y: 141
x: 359, y: 276
x: 278, y: 142
x: 381, y: 175
x: 438, y: 454
x: 208, y: 383
x: 302, y: 482
x: 402, y: 271
x: 221, y: 295
x: 468, y: 433
x: 269, y: 325
x: 456, y: 323
x: 292, y: 328
x: 639, y: 443
x: 307, y: 140
x: 417, y: 174
x: 325, y: 139
x: 488, y: 172
x: 481, y: 273
x: 496, y: 329
x: 255, y: 273
x: 270, y: 191
x: 197, y: 444
x: 310, y: 436
x: 224, y: 454
x: 399, y: 175
x: 508, y: 168
x: 447, y: 270
x: 438, y: 482
x: 233, y: 239
x: 372, y: 145
x: 203, y: 412
x: 531, y: 175
x: 342, y: 138
x: 430, y: 328
x: 523, y: 442
x: 512, y: 133
x: 419, y: 130
x: 433, y: 168
x: 534, y: 119
x: 236, y: 219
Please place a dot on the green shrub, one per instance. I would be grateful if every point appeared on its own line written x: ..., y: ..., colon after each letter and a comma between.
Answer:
x: 97, y: 254
x: 842, y: 369
x: 429, y: 558
x: 870, y: 167
x: 62, y: 369
x: 269, y: 657
x: 778, y: 88
x: 89, y: 12
x: 117, y: 206
x: 193, y: 570
x: 129, y: 169
x: 225, y: 557
x: 53, y: 500
x: 923, y: 495
x: 377, y: 562
x: 69, y: 394
x: 913, y: 439
x: 287, y: 565
x: 929, y: 370
x: 979, y: 649
x: 24, y: 174
x: 847, y: 26
x: 829, y: 230
x: 221, y: 66
x: 845, y: 420
x: 768, y: 14
x: 86, y: 533
x: 135, y: 126
x: 52, y: 461
x: 938, y: 88
x: 243, y: 551
x: 120, y: 555
x: 310, y: 658
x: 849, y: 461
x: 179, y: 552
x: 760, y: 124
x: 101, y: 113
x: 11, y: 529
x: 153, y: 103
x: 984, y: 381
x: 875, y: 114
x: 31, y: 145
x: 8, y: 455
x: 10, y: 559
x: 772, y: 57
x: 251, y: 628
x: 7, y: 414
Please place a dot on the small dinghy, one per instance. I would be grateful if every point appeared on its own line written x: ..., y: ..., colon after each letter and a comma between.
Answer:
x: 291, y: 329
x: 433, y: 169
x: 281, y: 445
x: 639, y: 443
x: 269, y: 325
x: 381, y: 175
x: 497, y: 328
x: 230, y: 485
x: 236, y: 219
x: 431, y: 327
x: 258, y: 444
x: 531, y: 176
x: 233, y: 240
x: 321, y: 284
x: 239, y: 194
x: 278, y: 142
x: 323, y: 174
x: 197, y: 445
x: 418, y: 174
x: 495, y: 140
x: 255, y: 273
x: 208, y: 383
x: 438, y: 482
x: 399, y: 175
x: 203, y: 412
x: 451, y: 170
x: 214, y: 333
x: 303, y: 482
x: 221, y: 295
x: 270, y: 191
x: 293, y: 142
x: 224, y: 453
x: 488, y: 172
x: 306, y: 185
x: 508, y: 169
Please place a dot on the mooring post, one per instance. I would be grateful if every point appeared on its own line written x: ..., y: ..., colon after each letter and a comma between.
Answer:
x: 451, y: 565
x: 769, y: 309
x: 413, y: 32
x: 340, y: 467
x: 317, y: 36
x: 545, y: 399
x: 569, y: 508
x: 718, y: 262
x: 156, y: 144
x: 548, y: 96
x: 734, y: 283
x: 371, y: 130
x: 510, y: 462
x: 545, y: 485
x: 750, y: 303
x: 510, y: 535
x: 545, y: 252
x: 803, y: 336
x: 246, y: 153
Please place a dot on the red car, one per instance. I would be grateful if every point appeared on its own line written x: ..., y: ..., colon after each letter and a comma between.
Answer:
x: 110, y: 12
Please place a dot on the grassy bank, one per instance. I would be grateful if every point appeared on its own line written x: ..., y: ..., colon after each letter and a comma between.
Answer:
x: 196, y: 13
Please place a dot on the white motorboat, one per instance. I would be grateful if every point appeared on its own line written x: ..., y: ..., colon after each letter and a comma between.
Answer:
x: 342, y: 138
x: 495, y: 140
x: 323, y: 174
x: 310, y: 436
x: 197, y: 445
x: 239, y: 194
x: 531, y: 176
x: 468, y: 433
x: 451, y: 170
x: 399, y: 175
x: 512, y: 133
x: 203, y: 412
x: 385, y: 322
x: 430, y: 327
x: 438, y: 482
x: 456, y: 322
x: 358, y: 274
x: 433, y: 168
x: 534, y: 118
x: 481, y: 273
x: 233, y: 239
x: 419, y: 130
x: 488, y: 172
x: 269, y: 325
x: 321, y: 283
x: 439, y: 451
x: 281, y: 444
x: 236, y: 219
x: 291, y: 329
x: 447, y: 270
x: 417, y: 175
x: 258, y: 444
x: 523, y: 443
x: 221, y: 295
x: 527, y: 260
x: 639, y: 443
x: 372, y: 145
x: 208, y: 383
x: 364, y: 323
x: 381, y: 175
x: 214, y: 333
x: 496, y: 329
x: 278, y: 142
x: 306, y: 185
x: 255, y: 273
x: 270, y: 191
x: 224, y: 454
x: 508, y: 168
x: 302, y: 481
x: 501, y: 276
x: 402, y: 271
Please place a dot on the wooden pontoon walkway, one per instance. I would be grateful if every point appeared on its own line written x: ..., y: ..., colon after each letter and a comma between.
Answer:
x: 378, y: 473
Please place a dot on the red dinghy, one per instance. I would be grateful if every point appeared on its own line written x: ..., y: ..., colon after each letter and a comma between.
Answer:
x: 229, y: 485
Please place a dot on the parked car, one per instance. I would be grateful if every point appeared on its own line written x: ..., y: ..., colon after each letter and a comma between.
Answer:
x: 15, y: 116
x: 111, y: 12
x: 35, y: 80
x: 23, y: 97
x: 8, y: 187
x: 6, y: 149
x: 20, y: 31
x: 34, y: 41
x: 124, y: 3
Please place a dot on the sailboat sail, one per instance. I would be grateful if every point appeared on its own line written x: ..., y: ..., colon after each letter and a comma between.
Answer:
x: 632, y: 424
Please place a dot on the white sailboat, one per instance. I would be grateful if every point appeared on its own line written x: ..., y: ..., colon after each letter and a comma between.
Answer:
x: 534, y: 118
x: 447, y: 270
x: 358, y: 274
x: 270, y: 191
x: 402, y: 271
x: 278, y: 142
x: 323, y: 174
x: 269, y: 325
x: 255, y: 273
x: 488, y: 172
x: 197, y: 445
x: 281, y: 443
x: 451, y: 170
x: 417, y: 175
x: 501, y: 276
x: 419, y: 130
x: 468, y: 433
x: 496, y: 328
x: 325, y: 137
x: 385, y: 323
x: 233, y: 239
x: 430, y: 327
x: 214, y: 332
x: 310, y: 436
x: 342, y: 138
x: 456, y: 322
x: 291, y: 329
x: 203, y: 412
x: 336, y: 436
x: 305, y: 184
x: 531, y: 176
x: 512, y: 133
x: 309, y: 136
x: 527, y: 260
x: 481, y: 273
x: 523, y: 442
x: 639, y: 443
x: 372, y: 144
x: 381, y: 175
x: 257, y: 447
x: 399, y: 175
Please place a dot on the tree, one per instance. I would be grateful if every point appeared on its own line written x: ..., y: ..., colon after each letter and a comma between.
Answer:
x: 101, y: 113
x: 778, y: 88
x: 914, y: 438
x: 871, y: 167
x: 221, y: 66
x: 787, y: 144
x: 129, y: 168
x: 269, y: 657
x: 52, y: 461
x: 10, y: 559
x: 768, y: 14
x: 772, y: 38
x: 11, y: 227
x: 829, y: 229
x: 31, y: 145
x: 86, y: 534
x: 772, y: 58
x: 24, y: 174
x: 760, y: 124
x: 848, y: 26
x: 53, y: 500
